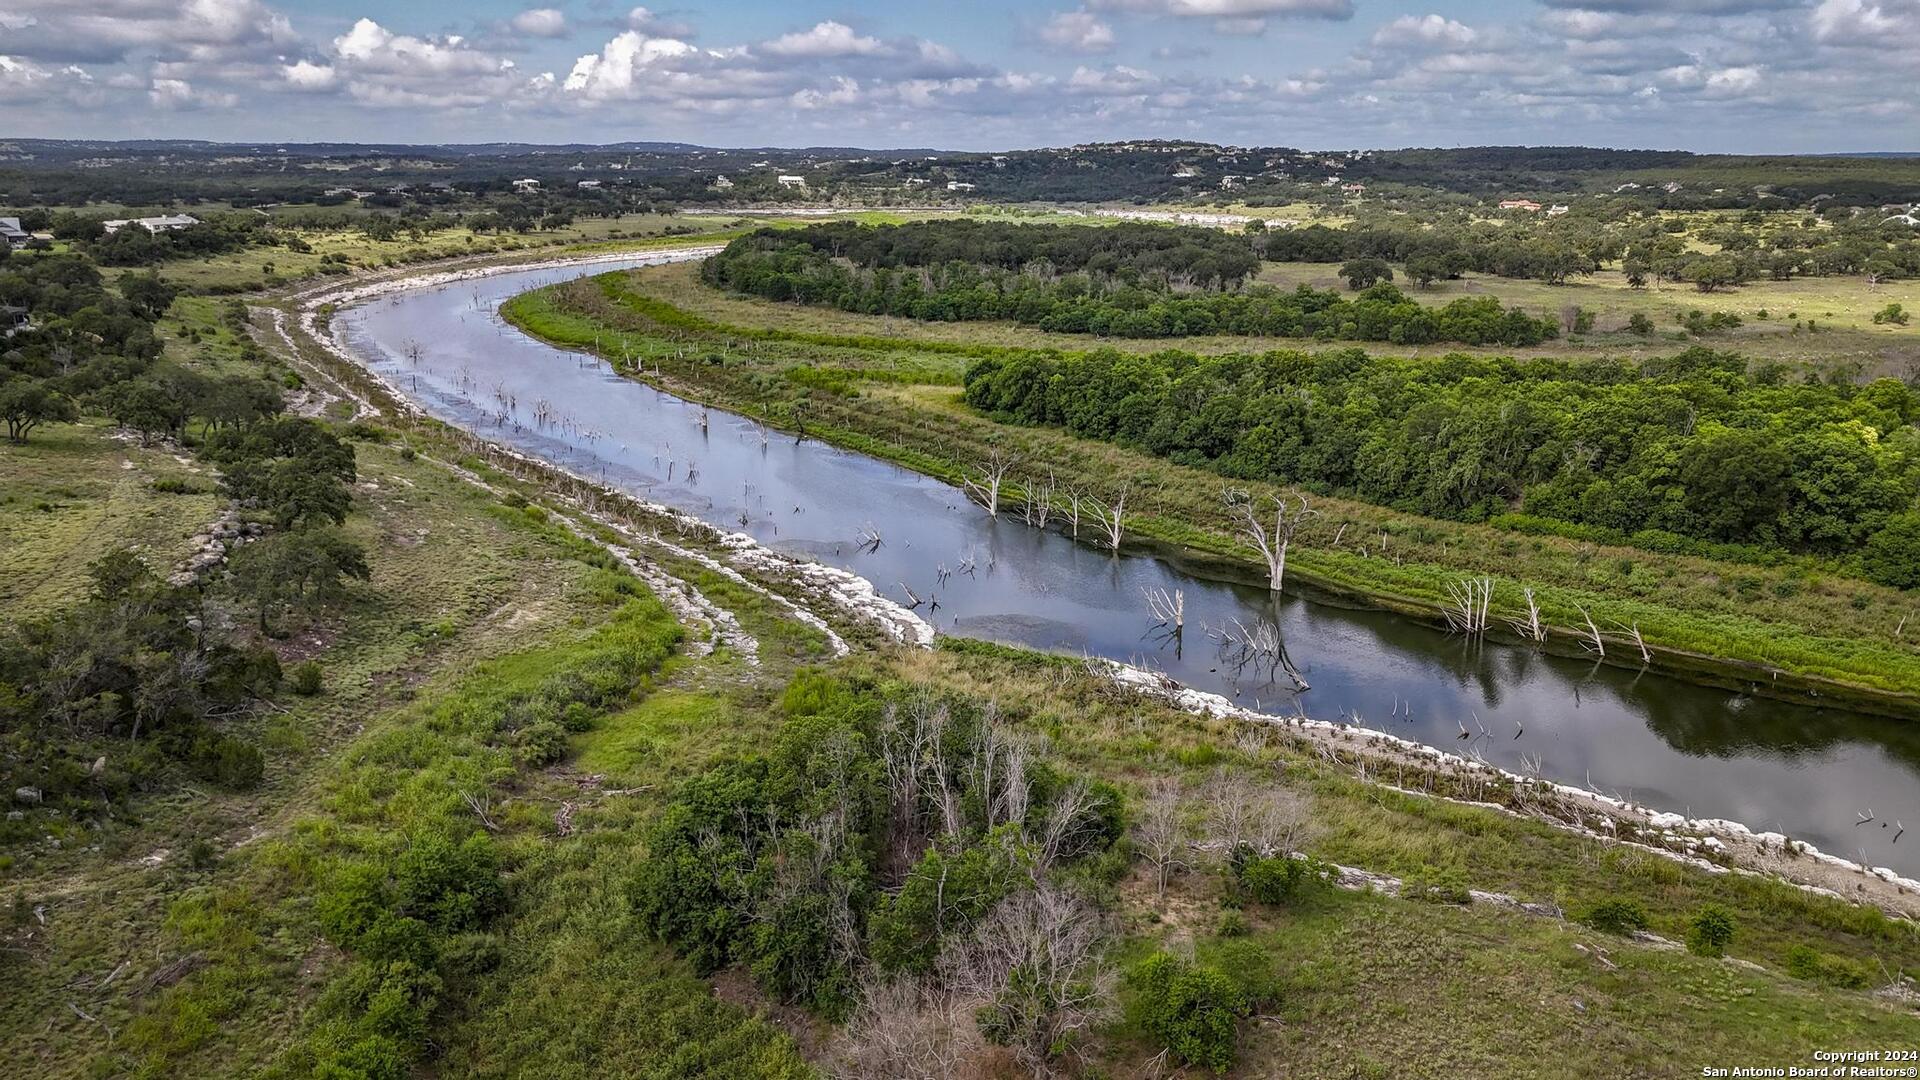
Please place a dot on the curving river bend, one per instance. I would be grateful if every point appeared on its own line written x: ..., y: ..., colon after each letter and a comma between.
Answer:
x: 1665, y: 743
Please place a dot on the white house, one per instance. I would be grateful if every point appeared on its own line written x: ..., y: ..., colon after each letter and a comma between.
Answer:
x: 788, y: 181
x: 526, y: 186
x: 164, y: 223
x: 588, y: 185
x: 721, y: 183
x: 12, y: 233
x: 957, y: 185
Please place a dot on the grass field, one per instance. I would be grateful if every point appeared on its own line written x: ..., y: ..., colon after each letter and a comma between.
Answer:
x: 895, y: 396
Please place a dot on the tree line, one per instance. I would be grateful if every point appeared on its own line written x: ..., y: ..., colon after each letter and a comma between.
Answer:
x: 1699, y: 446
x: 1117, y: 291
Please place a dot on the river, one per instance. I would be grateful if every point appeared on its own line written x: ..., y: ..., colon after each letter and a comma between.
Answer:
x: 1666, y: 743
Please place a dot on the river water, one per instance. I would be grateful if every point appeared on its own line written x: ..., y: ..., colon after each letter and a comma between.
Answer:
x: 1662, y: 742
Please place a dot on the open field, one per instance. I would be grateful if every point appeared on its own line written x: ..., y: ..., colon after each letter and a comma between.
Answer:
x: 895, y: 397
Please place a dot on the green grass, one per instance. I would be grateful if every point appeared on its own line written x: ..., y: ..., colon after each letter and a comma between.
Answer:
x: 655, y: 736
x: 74, y: 493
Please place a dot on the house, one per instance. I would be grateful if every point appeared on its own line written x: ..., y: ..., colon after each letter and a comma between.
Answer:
x: 12, y: 233
x: 914, y: 181
x: 164, y: 223
x: 1557, y: 209
x: 1186, y: 172
x: 526, y: 186
x: 721, y: 183
x: 957, y: 185
x: 1528, y: 205
x: 789, y: 181
x: 13, y: 319
x: 1353, y: 189
x: 588, y: 185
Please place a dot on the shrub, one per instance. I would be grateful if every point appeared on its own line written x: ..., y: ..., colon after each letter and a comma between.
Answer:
x: 307, y: 678
x: 227, y: 761
x: 1193, y: 1011
x: 1615, y: 915
x: 1806, y: 962
x: 1280, y: 879
x: 1711, y: 931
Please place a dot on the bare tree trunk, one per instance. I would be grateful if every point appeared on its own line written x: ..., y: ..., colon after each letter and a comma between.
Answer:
x: 994, y: 470
x: 1273, y: 545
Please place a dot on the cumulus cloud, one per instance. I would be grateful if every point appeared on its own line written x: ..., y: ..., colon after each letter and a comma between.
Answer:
x: 825, y: 39
x: 540, y: 22
x: 1078, y: 31
x: 1427, y: 30
x: 1776, y: 72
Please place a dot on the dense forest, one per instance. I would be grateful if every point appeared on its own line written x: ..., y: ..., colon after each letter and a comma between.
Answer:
x: 1126, y: 281
x: 1699, y: 446
x: 1649, y: 249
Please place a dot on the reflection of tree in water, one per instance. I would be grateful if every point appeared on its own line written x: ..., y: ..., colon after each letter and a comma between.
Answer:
x: 1717, y: 723
x: 1258, y: 649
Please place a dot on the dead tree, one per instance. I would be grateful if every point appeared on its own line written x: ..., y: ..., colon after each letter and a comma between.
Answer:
x: 1633, y: 634
x: 1167, y: 608
x: 1528, y: 625
x: 1472, y: 598
x: 1035, y: 962
x: 986, y: 490
x: 1038, y: 506
x: 1159, y: 834
x: 1287, y: 519
x: 1594, y: 641
x: 1111, y: 516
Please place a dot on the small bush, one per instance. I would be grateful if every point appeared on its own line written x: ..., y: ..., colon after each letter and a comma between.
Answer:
x: 1615, y: 915
x: 227, y: 761
x: 1193, y: 1011
x: 307, y: 678
x: 1280, y: 879
x: 1711, y: 931
x: 1806, y: 962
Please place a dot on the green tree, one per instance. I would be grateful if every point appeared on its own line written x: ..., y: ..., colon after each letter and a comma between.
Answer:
x: 1892, y: 555
x: 1361, y: 273
x: 28, y: 403
x: 296, y: 570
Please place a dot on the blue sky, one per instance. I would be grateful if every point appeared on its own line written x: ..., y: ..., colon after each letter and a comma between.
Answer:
x: 1717, y: 75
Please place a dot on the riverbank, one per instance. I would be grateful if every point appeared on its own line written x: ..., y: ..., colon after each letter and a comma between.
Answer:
x: 1638, y: 817
x: 1795, y: 631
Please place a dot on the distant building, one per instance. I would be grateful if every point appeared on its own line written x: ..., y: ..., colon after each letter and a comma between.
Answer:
x: 588, y: 185
x: 1353, y: 189
x: 788, y: 181
x: 1185, y: 172
x: 13, y: 318
x: 958, y: 185
x: 12, y: 233
x: 1528, y: 205
x: 1557, y: 209
x: 721, y: 183
x: 164, y: 223
x: 526, y: 186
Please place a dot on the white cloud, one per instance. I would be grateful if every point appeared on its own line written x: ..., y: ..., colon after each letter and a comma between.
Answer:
x: 1079, y: 31
x: 181, y: 94
x: 1426, y: 30
x: 827, y: 39
x: 308, y: 76
x: 1868, y: 22
x: 540, y: 22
